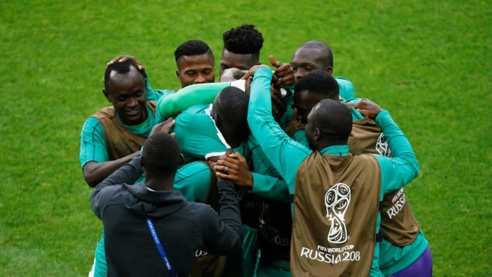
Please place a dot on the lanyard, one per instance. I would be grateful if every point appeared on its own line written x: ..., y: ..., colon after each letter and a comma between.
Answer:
x: 160, y: 248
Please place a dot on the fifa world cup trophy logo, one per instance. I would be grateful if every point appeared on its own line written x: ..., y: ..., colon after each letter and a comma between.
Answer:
x: 337, y: 200
x: 382, y: 146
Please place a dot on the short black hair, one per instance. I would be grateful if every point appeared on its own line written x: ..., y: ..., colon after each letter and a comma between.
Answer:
x: 327, y: 54
x: 232, y: 103
x: 320, y: 84
x: 161, y: 154
x: 192, y: 48
x: 244, y: 39
x: 333, y: 119
x: 121, y: 68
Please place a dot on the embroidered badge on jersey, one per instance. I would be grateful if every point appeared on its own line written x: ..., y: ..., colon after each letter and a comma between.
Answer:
x: 382, y: 146
x: 337, y: 200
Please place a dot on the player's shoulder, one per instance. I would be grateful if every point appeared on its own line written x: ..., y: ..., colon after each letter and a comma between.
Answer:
x: 342, y: 79
x: 197, y: 109
x: 196, y: 114
x: 92, y: 123
x: 158, y: 94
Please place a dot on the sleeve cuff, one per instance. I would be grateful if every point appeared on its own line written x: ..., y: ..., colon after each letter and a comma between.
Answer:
x: 381, y: 117
x: 263, y: 72
x: 135, y: 162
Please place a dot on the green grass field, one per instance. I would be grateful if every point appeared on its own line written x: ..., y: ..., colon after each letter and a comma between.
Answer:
x: 427, y: 62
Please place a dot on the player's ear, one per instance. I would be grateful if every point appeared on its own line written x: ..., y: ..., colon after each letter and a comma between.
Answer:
x: 317, y: 134
x: 106, y: 95
x: 142, y: 162
x: 329, y: 70
x: 216, y: 118
x: 181, y: 159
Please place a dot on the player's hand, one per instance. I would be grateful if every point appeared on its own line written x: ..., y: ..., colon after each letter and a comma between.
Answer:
x: 284, y: 73
x: 249, y: 77
x: 123, y: 58
x: 165, y: 126
x: 278, y: 105
x: 252, y: 70
x: 232, y: 74
x: 212, y: 163
x: 368, y: 108
x: 234, y: 167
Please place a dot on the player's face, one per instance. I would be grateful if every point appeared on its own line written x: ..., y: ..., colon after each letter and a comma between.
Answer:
x: 240, y: 61
x: 127, y: 94
x: 307, y: 60
x: 196, y: 69
x: 303, y: 104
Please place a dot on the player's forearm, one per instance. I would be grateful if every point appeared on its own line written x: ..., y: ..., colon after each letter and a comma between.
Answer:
x: 284, y: 154
x: 127, y: 173
x: 399, y: 144
x: 270, y: 187
x: 229, y: 212
x: 189, y: 96
x: 95, y: 172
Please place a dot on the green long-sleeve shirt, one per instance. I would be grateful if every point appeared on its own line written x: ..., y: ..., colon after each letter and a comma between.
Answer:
x: 189, y: 96
x: 197, y: 135
x: 286, y: 155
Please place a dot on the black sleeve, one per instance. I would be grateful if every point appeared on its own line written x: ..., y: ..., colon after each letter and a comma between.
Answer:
x: 224, y: 234
x: 127, y: 173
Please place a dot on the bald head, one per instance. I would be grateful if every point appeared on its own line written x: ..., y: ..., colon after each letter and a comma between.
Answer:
x: 128, y: 66
x: 329, y: 123
x: 230, y: 109
x: 321, y: 48
x: 312, y: 56
x: 161, y: 154
x: 320, y: 84
x: 311, y: 89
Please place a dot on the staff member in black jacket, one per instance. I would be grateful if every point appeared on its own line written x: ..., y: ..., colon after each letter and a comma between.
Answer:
x: 151, y: 229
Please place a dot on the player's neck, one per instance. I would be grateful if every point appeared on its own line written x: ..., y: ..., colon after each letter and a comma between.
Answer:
x: 159, y: 184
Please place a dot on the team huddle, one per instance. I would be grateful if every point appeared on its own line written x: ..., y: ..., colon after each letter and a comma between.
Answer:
x: 275, y: 170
